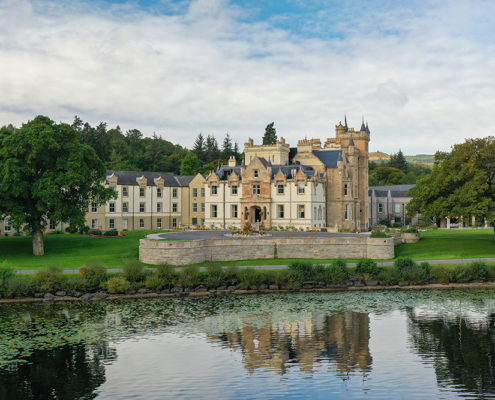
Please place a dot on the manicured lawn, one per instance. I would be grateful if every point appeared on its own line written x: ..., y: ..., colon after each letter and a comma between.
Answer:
x: 450, y: 244
x: 71, y: 251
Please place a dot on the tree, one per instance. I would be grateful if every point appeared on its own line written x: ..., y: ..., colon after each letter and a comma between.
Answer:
x: 462, y: 183
x: 211, y: 149
x: 270, y: 136
x: 227, y: 149
x: 46, y: 174
x: 399, y: 161
x: 385, y: 176
x: 190, y: 165
x: 199, y: 148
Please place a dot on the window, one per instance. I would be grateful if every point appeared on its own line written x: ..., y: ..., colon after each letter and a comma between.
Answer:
x: 174, y: 223
x: 159, y: 223
x: 234, y: 211
x: 397, y: 208
x: 202, y: 192
x: 94, y: 207
x: 142, y: 192
x: 202, y: 207
x: 125, y: 207
x: 273, y: 158
x: 300, y: 188
x: 300, y: 211
x: 314, y: 215
x: 256, y: 189
x: 380, y: 208
x: 158, y: 207
x: 141, y: 222
x: 346, y: 211
x: 256, y: 173
x: 314, y: 190
x: 125, y: 191
x: 53, y: 225
x: 345, y: 190
x: 233, y: 190
x: 280, y: 211
x: 214, y: 190
x: 195, y: 207
x: 112, y: 207
x: 94, y: 224
x: 174, y: 207
x: 280, y: 189
x: 174, y: 193
x: 195, y: 221
x: 159, y: 192
x: 112, y: 223
x: 141, y: 207
x: 125, y: 223
x: 195, y: 192
x: 202, y: 221
x: 213, y: 210
x: 320, y: 213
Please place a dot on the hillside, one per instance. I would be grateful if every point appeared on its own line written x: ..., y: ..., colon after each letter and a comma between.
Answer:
x: 421, y: 159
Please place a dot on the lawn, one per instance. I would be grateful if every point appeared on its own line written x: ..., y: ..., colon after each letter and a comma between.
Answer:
x: 450, y: 244
x: 71, y: 251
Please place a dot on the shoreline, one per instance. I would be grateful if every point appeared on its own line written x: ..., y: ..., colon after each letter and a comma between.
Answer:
x: 433, y: 286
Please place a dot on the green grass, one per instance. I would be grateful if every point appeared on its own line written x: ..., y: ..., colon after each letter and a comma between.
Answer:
x: 450, y: 244
x: 71, y: 251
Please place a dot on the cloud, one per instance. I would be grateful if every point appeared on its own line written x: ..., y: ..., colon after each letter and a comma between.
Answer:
x: 422, y: 79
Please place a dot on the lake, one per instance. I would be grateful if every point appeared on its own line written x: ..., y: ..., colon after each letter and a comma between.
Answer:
x: 374, y: 345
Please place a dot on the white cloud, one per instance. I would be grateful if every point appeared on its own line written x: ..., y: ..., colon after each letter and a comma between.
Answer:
x: 423, y: 80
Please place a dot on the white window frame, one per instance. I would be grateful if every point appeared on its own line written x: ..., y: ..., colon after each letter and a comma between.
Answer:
x: 159, y: 207
x: 175, y: 207
x: 256, y: 190
x: 380, y: 207
x: 125, y: 223
x: 125, y: 207
x: 111, y: 223
x: 159, y: 192
x: 175, y: 193
x: 202, y: 207
x: 142, y: 207
x: 300, y: 188
x: 111, y: 206
x: 233, y: 190
x: 301, y: 211
x: 195, y: 208
x: 159, y: 223
x: 346, y: 212
x: 280, y: 211
x: 397, y: 208
x: 256, y: 173
x: 141, y: 222
x: 94, y: 223
x: 125, y: 191
x: 214, y: 211
x: 203, y: 192
x: 214, y: 190
x: 195, y: 192
x: 280, y: 189
x: 142, y: 192
x: 94, y: 207
x: 233, y: 211
x: 346, y: 190
x: 175, y: 222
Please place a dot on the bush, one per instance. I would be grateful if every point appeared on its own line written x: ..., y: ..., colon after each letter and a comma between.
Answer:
x: 117, y: 284
x: 154, y: 282
x: 71, y: 229
x: 409, y: 230
x: 414, y: 274
x: 96, y: 232
x: 397, y: 225
x: 320, y: 273
x: 84, y: 230
x: 251, y: 278
x: 305, y: 268
x: 425, y: 265
x: 379, y: 234
x: 215, y: 276
x: 76, y: 284
x: 49, y: 279
x: 189, y: 277
x: 57, y: 232
x: 232, y: 275
x: 111, y: 232
x: 441, y: 274
x: 166, y: 272
x: 404, y: 263
x: 337, y: 272
x: 477, y: 270
x: 389, y: 275
x: 95, y: 273
x: 18, y: 286
x: 367, y: 266
x: 289, y: 278
x: 385, y: 222
x: 6, y: 274
x: 133, y: 271
x: 271, y: 277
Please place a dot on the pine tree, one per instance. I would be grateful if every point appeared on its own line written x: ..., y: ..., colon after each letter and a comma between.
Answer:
x: 212, y: 151
x: 270, y: 136
x: 237, y: 155
x: 399, y: 161
x: 227, y: 150
x: 199, y: 148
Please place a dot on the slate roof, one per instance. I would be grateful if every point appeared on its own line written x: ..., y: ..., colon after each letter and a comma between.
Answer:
x: 395, y: 190
x: 186, y: 179
x: 329, y: 157
x: 225, y: 171
x: 131, y: 178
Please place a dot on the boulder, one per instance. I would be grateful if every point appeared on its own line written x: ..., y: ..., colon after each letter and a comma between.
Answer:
x: 201, y: 289
x: 60, y: 293
x: 222, y: 288
x: 359, y: 284
x: 100, y: 295
x: 39, y: 295
x: 177, y: 289
x: 131, y: 291
x: 142, y: 291
x: 86, y: 296
x: 349, y: 283
x: 371, y: 283
x: 212, y: 290
x: 273, y: 287
x: 403, y: 283
x: 232, y: 288
x: 308, y: 286
x: 48, y: 297
x: 164, y: 291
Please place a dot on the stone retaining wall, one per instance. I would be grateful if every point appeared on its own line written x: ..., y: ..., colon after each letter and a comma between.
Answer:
x: 185, y: 253
x: 402, y: 237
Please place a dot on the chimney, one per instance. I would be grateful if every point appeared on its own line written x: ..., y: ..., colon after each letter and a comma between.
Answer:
x: 232, y: 161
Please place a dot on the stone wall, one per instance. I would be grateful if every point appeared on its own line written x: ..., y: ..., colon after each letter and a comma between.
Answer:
x: 185, y: 253
x: 402, y: 237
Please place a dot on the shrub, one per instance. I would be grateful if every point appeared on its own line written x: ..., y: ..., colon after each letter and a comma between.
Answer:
x: 425, y: 265
x: 271, y: 277
x: 111, y: 232
x: 409, y: 230
x: 166, y: 272
x: 337, y: 272
x: 154, y: 282
x: 441, y: 274
x: 289, y: 278
x: 477, y: 270
x: 389, y: 275
x: 84, y: 230
x: 96, y: 232
x: 379, y: 234
x: 117, y: 284
x: 215, y: 276
x: 251, y: 278
x: 320, y: 273
x: 397, y: 225
x: 385, y: 222
x: 71, y: 229
x: 133, y: 271
x: 57, y: 232
x: 95, y: 273
x: 189, y: 277
x: 340, y: 264
x: 6, y: 274
x: 49, y: 279
x: 367, y: 266
x: 232, y: 275
x: 305, y: 268
x: 18, y: 286
x: 404, y: 263
x: 414, y: 274
x: 76, y: 284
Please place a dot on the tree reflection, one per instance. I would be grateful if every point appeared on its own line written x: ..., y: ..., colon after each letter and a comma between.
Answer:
x: 64, y: 373
x: 463, y: 352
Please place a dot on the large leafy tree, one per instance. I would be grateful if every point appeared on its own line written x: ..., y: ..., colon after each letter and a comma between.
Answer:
x: 270, y: 136
x: 190, y: 165
x: 462, y: 183
x: 47, y: 174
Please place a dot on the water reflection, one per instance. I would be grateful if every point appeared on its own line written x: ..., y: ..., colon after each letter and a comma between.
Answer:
x: 341, y: 339
x: 462, y: 349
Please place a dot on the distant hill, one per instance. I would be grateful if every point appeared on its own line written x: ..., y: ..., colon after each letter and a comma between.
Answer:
x: 378, y: 155
x: 420, y: 159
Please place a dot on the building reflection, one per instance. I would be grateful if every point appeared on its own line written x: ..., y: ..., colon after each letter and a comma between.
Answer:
x: 339, y: 342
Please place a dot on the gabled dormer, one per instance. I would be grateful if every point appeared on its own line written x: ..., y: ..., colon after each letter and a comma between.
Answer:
x: 112, y: 180
x: 301, y: 177
x: 280, y: 178
x: 142, y: 182
x: 159, y: 182
x: 233, y: 179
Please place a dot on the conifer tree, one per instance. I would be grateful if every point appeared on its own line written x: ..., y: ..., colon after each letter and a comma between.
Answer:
x: 227, y: 150
x: 399, y: 161
x: 212, y: 151
x: 270, y: 136
x: 199, y: 148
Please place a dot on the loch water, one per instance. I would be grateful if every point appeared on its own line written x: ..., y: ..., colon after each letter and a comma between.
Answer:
x: 437, y: 344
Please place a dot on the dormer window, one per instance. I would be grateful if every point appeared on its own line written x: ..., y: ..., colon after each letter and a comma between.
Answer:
x: 256, y: 173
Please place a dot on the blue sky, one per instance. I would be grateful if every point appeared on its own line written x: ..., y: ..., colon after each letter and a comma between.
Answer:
x: 420, y: 72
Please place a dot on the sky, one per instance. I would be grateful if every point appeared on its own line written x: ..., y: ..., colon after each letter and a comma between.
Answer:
x: 422, y: 73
